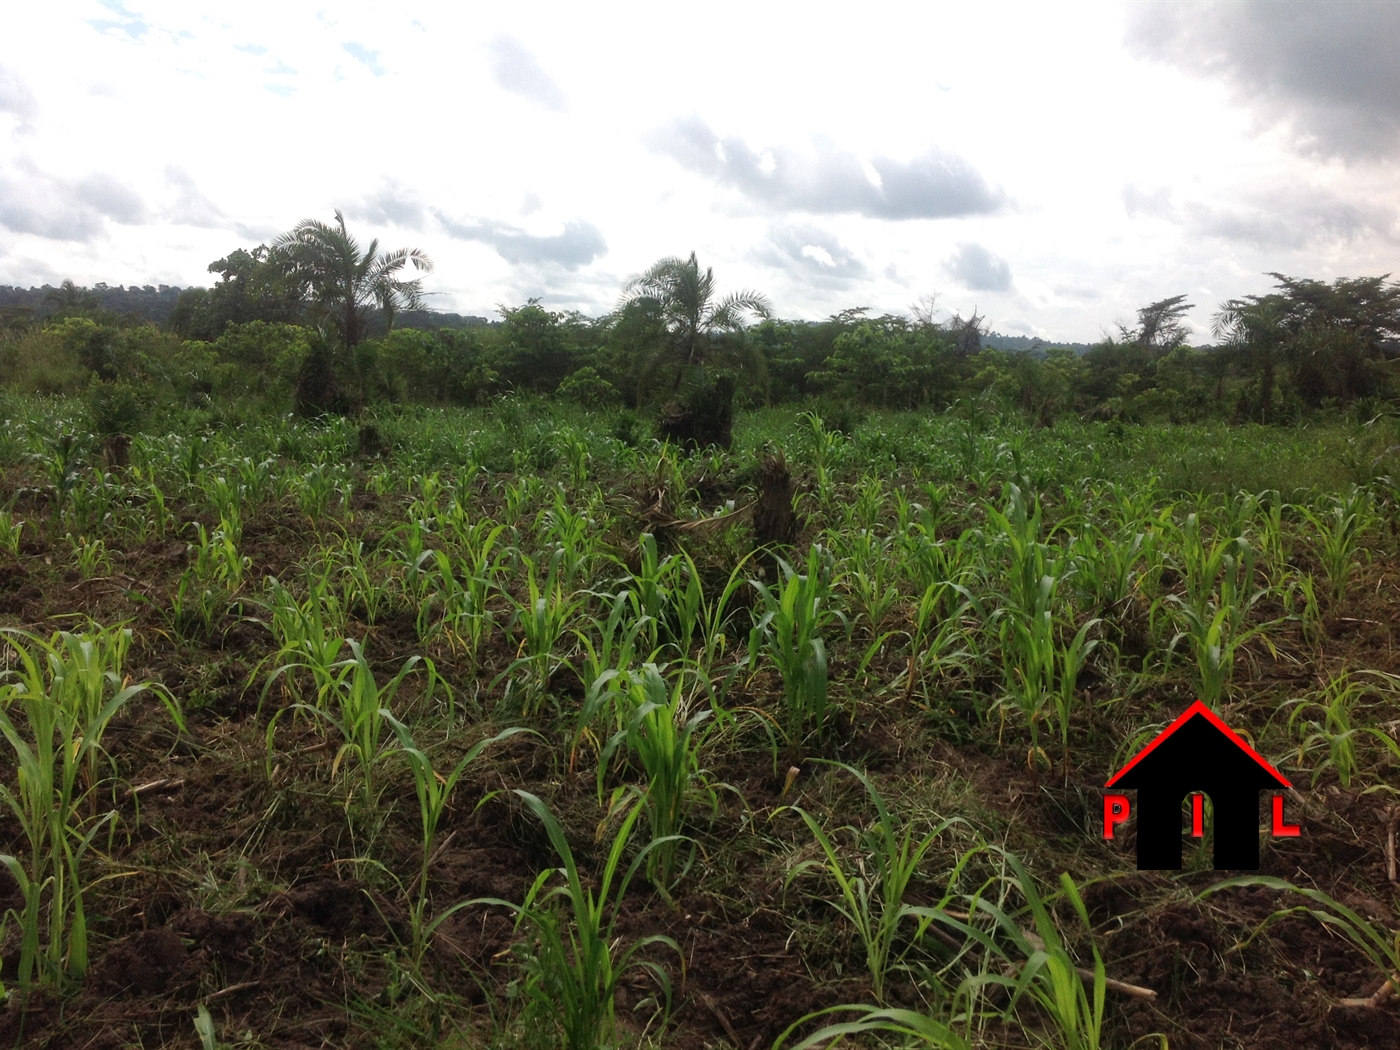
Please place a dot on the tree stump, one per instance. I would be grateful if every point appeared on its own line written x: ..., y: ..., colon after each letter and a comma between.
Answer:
x: 775, y: 524
x: 317, y: 393
x: 704, y: 418
x: 116, y: 450
x: 371, y: 444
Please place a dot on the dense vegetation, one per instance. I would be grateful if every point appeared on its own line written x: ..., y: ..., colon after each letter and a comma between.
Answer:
x: 280, y: 315
x: 404, y: 690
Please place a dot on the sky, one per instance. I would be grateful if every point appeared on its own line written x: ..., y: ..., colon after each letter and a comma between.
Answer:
x: 1052, y: 166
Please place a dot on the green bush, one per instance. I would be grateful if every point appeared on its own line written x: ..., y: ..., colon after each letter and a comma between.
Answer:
x: 114, y: 408
x: 587, y: 388
x: 39, y: 362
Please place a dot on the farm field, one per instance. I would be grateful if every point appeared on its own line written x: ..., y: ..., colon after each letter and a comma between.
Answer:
x: 303, y: 720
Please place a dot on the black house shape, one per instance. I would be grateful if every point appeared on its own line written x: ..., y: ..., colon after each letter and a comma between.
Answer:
x: 1198, y: 752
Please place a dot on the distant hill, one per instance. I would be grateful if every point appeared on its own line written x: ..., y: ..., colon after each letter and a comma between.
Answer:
x: 440, y: 319
x: 154, y: 303
x: 997, y: 341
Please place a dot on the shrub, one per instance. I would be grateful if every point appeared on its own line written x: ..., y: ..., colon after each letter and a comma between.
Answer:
x: 113, y: 407
x: 587, y: 388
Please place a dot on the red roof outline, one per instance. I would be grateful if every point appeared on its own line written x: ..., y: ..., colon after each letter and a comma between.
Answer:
x: 1199, y: 708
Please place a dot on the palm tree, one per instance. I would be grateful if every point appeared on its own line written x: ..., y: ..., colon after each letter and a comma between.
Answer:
x: 327, y: 266
x: 1256, y: 326
x: 684, y: 298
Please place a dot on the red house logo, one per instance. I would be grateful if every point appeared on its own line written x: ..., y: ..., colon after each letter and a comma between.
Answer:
x: 1196, y: 755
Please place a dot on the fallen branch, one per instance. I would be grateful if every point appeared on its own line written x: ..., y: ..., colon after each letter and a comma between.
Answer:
x: 233, y: 989
x: 689, y: 525
x: 166, y: 784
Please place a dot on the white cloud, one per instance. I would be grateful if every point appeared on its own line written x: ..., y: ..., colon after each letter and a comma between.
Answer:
x: 554, y: 150
x: 978, y: 270
x: 519, y: 72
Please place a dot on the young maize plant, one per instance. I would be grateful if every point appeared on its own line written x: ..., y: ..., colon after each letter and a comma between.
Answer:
x: 54, y: 723
x: 224, y: 497
x: 363, y: 587
x: 91, y: 502
x: 1326, y: 724
x: 668, y: 594
x: 1214, y: 643
x: 416, y: 563
x: 664, y: 736
x: 998, y: 951
x: 62, y: 466
x: 577, y: 455
x: 1337, y: 537
x: 542, y: 619
x: 796, y: 613
x: 520, y: 494
x: 1030, y: 563
x: 91, y: 556
x: 160, y: 519
x: 869, y: 577
x: 864, y: 512
x: 1071, y: 661
x: 255, y: 478
x: 620, y: 637
x: 309, y: 634
x: 573, y: 958
x: 651, y: 585
x: 466, y: 583
x: 1070, y: 998
x: 938, y: 626
x: 11, y: 529
x: 433, y: 790
x: 1208, y: 564
x: 711, y: 624
x: 873, y: 888
x: 558, y: 527
x: 361, y: 706
x: 315, y: 491
x: 1105, y: 570
x: 1028, y: 661
x: 828, y: 449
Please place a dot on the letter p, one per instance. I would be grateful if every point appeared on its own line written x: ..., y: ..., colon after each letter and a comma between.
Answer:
x: 1115, y: 811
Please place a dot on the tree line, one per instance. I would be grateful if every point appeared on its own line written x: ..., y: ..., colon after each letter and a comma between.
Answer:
x: 330, y: 325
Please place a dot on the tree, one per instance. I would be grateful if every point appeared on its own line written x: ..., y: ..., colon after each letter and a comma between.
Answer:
x: 1337, y: 332
x: 69, y: 300
x: 692, y: 316
x: 1330, y: 335
x: 253, y: 286
x: 539, y: 348
x: 1160, y: 325
x: 1255, y: 327
x: 967, y: 332
x: 327, y: 267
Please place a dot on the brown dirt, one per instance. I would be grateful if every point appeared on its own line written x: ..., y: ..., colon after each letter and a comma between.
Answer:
x: 235, y: 889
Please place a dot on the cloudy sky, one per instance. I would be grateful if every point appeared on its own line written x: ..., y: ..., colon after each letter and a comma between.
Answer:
x: 1052, y: 166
